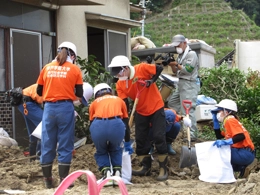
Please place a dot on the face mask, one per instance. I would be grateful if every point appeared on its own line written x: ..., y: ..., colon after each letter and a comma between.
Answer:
x: 219, y: 117
x: 124, y: 78
x: 179, y: 50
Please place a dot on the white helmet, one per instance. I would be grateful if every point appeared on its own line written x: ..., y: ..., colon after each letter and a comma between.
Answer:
x: 87, y: 91
x: 119, y: 61
x: 68, y: 45
x: 101, y: 86
x: 227, y: 104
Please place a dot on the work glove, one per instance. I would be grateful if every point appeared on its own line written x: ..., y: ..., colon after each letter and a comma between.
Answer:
x: 148, y: 83
x: 128, y: 147
x: 187, y: 122
x: 216, y: 124
x: 220, y: 143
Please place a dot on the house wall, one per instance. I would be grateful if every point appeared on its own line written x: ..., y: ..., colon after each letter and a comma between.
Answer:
x: 71, y: 19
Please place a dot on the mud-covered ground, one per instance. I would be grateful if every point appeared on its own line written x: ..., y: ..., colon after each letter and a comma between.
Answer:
x: 18, y: 173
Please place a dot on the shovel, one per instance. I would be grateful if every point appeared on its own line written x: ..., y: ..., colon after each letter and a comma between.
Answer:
x: 188, y: 153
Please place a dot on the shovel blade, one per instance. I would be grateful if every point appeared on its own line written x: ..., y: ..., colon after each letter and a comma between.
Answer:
x: 188, y: 157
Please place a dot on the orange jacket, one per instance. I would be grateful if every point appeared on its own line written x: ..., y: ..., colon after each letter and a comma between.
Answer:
x: 107, y: 106
x: 233, y: 127
x: 31, y: 92
x: 150, y: 99
x: 59, y: 81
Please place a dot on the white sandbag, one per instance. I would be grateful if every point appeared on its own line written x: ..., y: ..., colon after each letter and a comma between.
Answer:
x: 3, y: 132
x: 38, y: 131
x: 4, y: 141
x: 141, y: 40
x: 7, y: 141
x: 13, y: 142
x: 126, y: 168
x: 214, y: 163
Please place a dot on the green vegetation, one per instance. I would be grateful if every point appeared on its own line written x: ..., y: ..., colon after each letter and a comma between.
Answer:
x: 211, y: 21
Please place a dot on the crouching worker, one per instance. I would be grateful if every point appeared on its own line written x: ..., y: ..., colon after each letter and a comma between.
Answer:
x: 29, y: 103
x: 234, y: 134
x: 109, y: 127
x: 172, y: 129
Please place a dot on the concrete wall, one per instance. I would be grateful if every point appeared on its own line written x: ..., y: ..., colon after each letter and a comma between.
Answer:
x: 71, y: 21
x: 205, y: 54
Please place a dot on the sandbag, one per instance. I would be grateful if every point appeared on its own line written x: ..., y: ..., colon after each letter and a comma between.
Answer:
x: 126, y: 168
x: 142, y: 41
x: 3, y: 132
x: 7, y: 141
x: 214, y: 163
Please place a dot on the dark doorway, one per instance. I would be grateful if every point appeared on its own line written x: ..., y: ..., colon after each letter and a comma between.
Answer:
x: 26, y: 63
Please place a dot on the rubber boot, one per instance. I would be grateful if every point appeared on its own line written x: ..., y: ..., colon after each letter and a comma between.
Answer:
x: 145, y: 169
x: 246, y: 170
x: 106, y: 172
x: 170, y: 150
x: 117, y: 171
x: 163, y: 174
x: 47, y: 174
x: 32, y: 150
x: 63, y: 172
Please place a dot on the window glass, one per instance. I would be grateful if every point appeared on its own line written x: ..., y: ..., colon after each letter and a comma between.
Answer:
x: 18, y: 15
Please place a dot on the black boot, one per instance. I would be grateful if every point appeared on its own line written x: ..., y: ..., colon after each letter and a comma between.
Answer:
x: 145, y: 169
x: 106, y: 172
x: 47, y: 174
x: 32, y: 150
x: 63, y: 172
x: 163, y: 174
x: 117, y: 171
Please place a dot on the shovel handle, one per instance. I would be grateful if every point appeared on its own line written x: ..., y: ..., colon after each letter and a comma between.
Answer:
x: 143, y: 84
x: 187, y: 109
x: 130, y: 123
x: 188, y: 103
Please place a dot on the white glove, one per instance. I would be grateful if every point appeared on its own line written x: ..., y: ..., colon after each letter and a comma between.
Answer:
x: 187, y: 122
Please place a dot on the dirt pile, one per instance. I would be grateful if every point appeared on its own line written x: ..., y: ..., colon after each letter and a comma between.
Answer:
x: 18, y: 173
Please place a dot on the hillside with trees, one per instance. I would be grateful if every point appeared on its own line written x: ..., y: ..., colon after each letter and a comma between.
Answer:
x: 213, y: 21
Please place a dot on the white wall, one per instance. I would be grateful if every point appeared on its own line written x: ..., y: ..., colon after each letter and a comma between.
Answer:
x: 72, y: 26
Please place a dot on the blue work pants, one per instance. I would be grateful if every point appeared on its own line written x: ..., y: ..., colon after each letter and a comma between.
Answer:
x: 58, y: 125
x: 240, y: 158
x: 32, y: 119
x: 108, y: 136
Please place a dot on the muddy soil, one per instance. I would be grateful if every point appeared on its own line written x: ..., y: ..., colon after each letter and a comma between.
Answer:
x: 18, y: 173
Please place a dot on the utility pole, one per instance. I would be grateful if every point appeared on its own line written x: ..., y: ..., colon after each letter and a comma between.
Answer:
x: 143, y: 16
x: 170, y: 19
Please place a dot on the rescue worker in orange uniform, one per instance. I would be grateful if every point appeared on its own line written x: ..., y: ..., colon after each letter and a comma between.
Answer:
x: 28, y: 103
x: 59, y: 83
x: 109, y: 130
x: 149, y: 110
x: 242, y: 148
